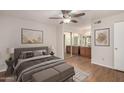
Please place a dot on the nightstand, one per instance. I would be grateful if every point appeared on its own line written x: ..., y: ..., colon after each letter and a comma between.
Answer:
x: 3, y: 69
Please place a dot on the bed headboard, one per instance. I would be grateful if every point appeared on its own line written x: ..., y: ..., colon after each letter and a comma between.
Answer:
x: 17, y: 51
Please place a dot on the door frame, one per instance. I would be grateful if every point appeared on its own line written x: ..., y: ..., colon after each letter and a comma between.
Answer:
x: 70, y: 45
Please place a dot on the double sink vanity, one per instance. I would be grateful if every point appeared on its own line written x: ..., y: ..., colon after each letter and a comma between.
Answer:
x: 79, y: 50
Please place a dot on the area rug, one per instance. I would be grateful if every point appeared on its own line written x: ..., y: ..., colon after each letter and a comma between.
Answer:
x: 80, y: 76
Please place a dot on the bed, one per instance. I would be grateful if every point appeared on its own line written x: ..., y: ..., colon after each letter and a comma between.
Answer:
x: 40, y: 68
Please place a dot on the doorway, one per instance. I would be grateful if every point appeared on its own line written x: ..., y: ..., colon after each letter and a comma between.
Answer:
x: 76, y: 44
x: 67, y: 45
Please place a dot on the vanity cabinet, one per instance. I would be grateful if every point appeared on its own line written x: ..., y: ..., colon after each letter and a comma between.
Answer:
x: 75, y: 50
x: 68, y: 49
x: 85, y: 52
x: 78, y: 50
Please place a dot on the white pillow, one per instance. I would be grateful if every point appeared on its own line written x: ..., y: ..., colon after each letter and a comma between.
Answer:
x: 39, y: 52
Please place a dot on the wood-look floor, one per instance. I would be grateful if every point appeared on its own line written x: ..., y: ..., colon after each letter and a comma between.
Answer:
x: 98, y: 73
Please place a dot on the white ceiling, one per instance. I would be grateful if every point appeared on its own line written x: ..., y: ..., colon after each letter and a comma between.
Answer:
x: 43, y: 15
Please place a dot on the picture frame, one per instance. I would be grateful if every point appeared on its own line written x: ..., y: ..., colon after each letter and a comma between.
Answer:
x: 102, y: 37
x: 30, y: 36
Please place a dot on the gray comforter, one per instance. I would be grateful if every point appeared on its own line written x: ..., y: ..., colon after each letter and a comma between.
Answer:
x: 24, y: 70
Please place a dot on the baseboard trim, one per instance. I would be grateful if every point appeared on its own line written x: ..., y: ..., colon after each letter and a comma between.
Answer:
x: 111, y: 67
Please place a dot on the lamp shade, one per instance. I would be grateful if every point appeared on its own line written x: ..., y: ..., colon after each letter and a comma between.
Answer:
x: 52, y: 47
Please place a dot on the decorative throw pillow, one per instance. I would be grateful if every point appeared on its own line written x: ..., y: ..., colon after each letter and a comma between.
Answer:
x: 38, y: 53
x: 44, y: 52
x: 26, y: 54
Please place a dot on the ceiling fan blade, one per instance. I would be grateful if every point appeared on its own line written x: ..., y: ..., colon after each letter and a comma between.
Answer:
x: 55, y: 18
x: 61, y: 22
x: 78, y: 15
x: 74, y: 21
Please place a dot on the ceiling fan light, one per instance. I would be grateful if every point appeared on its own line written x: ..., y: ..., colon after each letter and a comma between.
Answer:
x: 67, y: 20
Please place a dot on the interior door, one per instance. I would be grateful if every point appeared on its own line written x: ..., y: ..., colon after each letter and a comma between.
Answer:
x: 119, y: 46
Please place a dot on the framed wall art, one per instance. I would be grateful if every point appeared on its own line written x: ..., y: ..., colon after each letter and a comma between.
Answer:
x: 102, y: 37
x: 30, y: 36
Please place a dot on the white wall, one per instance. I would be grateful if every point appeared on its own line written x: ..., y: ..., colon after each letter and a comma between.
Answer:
x: 60, y: 42
x: 10, y: 34
x: 83, y: 31
x: 105, y: 55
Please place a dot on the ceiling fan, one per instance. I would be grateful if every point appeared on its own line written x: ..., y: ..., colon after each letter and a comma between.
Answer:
x: 67, y: 16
